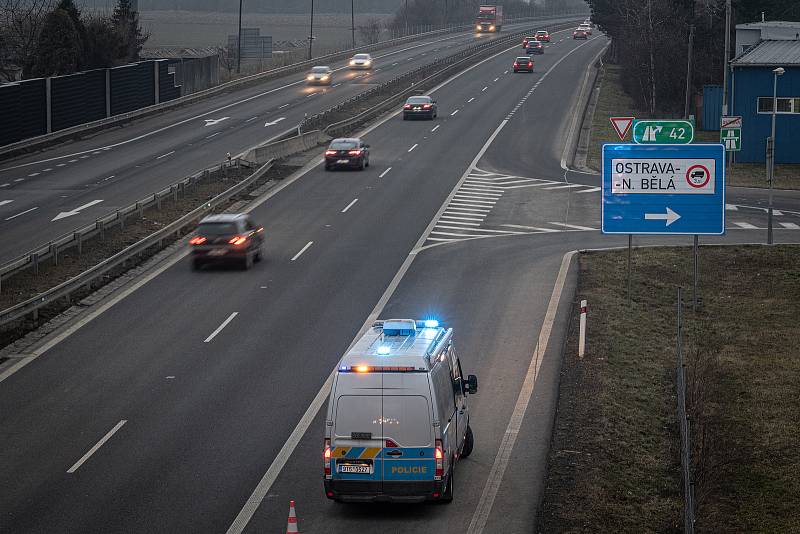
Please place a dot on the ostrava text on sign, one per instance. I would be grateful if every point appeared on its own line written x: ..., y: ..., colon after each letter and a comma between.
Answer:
x: 663, y: 189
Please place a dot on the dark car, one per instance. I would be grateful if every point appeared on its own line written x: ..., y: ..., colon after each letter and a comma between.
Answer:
x: 535, y: 47
x: 523, y: 64
x: 420, y: 106
x: 347, y: 152
x: 526, y: 40
x: 543, y: 35
x: 226, y: 238
x: 579, y: 34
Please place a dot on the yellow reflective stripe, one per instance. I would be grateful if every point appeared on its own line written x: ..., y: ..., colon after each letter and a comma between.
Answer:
x: 370, y: 452
x: 340, y: 452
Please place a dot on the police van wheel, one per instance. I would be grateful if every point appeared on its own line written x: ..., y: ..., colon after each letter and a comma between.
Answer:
x: 447, y: 495
x: 468, y: 443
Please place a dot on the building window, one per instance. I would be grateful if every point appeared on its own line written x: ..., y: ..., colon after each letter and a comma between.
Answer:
x: 785, y: 105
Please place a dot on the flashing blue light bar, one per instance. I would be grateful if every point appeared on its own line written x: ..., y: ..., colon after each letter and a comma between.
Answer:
x: 383, y: 350
x: 431, y: 323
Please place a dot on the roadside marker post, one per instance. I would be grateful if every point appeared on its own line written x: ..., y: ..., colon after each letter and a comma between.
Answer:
x: 582, y: 336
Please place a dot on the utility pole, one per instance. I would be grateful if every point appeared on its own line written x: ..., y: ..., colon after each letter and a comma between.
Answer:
x: 353, y: 21
x: 405, y: 12
x: 687, y: 106
x: 239, y: 42
x: 727, y: 57
x: 311, y: 34
x: 771, y: 149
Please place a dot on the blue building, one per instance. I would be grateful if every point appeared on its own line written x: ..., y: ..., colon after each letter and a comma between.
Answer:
x: 751, y: 86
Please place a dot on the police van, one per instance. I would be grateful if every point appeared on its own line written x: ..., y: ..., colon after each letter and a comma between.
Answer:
x: 397, y: 419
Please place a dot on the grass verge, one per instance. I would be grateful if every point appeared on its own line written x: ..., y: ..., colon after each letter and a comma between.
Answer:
x: 614, y: 461
x: 614, y: 102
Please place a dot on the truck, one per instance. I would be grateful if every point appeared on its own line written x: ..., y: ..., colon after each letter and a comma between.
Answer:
x: 490, y: 19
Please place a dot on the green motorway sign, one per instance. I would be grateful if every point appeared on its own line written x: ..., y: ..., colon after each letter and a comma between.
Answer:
x: 663, y: 132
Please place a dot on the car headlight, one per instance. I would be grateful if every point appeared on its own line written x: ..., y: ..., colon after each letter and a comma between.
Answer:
x: 310, y: 77
x: 325, y: 77
x: 368, y: 62
x: 491, y: 28
x: 478, y: 27
x: 352, y: 62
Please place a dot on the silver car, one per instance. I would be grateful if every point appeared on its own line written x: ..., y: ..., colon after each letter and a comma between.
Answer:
x: 321, y: 75
x: 361, y: 61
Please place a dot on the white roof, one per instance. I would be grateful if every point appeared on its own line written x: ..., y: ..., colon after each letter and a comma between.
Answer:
x: 395, y: 343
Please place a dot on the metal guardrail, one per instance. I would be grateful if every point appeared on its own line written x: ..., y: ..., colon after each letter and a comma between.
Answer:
x: 32, y: 143
x: 76, y: 239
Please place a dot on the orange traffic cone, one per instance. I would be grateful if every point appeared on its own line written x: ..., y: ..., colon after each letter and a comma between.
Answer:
x: 291, y: 526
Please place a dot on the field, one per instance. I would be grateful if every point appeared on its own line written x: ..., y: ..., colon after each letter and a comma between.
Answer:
x: 196, y: 29
x: 614, y: 462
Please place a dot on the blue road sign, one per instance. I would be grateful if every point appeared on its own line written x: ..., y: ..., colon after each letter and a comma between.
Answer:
x: 663, y: 189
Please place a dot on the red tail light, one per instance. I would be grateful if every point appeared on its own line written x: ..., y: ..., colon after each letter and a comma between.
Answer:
x: 407, y: 106
x: 354, y: 152
x: 327, y: 457
x: 197, y: 240
x: 330, y: 152
x: 439, y: 456
x: 391, y: 444
x: 426, y: 106
x: 530, y: 63
x: 237, y: 240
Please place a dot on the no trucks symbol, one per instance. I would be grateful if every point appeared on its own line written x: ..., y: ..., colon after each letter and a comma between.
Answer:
x: 698, y: 176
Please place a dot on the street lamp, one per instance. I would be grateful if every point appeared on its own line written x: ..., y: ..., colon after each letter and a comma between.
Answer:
x: 771, y: 169
x: 311, y: 32
x: 239, y: 42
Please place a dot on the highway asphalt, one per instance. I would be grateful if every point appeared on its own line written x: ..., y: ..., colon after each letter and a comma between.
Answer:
x: 214, y: 373
x: 119, y: 166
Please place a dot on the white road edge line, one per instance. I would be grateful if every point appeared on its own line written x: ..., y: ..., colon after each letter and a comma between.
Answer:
x: 22, y: 213
x: 302, y: 250
x: 436, y: 127
x: 349, y: 205
x: 413, y: 147
x: 220, y: 327
x: 453, y: 113
x: 97, y: 445
x: 495, y: 478
x: 165, y: 155
x: 384, y: 173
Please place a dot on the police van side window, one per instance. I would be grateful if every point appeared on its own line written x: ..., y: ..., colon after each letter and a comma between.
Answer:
x: 445, y: 401
x: 455, y: 370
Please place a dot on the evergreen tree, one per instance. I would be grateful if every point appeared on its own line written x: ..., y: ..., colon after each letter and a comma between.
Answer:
x: 102, y: 44
x: 59, y: 48
x: 125, y: 22
x: 69, y: 7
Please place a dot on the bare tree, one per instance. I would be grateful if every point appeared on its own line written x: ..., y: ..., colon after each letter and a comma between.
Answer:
x: 370, y: 33
x: 20, y: 24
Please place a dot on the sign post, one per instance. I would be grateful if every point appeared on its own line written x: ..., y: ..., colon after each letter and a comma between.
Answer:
x: 664, y: 190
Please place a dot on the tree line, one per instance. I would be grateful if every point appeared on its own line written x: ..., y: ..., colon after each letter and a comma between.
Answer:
x: 40, y: 38
x: 650, y: 42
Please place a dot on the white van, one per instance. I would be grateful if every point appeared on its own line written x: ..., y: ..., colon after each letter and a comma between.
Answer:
x: 397, y: 419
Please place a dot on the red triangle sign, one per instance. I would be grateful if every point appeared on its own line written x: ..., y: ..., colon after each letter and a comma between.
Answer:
x: 622, y: 125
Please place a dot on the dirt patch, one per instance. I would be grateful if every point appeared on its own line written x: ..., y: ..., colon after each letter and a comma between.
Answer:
x: 27, y: 284
x: 614, y: 463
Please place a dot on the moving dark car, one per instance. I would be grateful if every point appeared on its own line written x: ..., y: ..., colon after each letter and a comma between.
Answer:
x: 226, y: 238
x: 523, y: 64
x: 347, y: 152
x: 420, y: 106
x: 535, y: 47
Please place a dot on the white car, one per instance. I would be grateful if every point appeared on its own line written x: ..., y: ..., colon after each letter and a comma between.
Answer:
x: 586, y: 27
x: 320, y: 75
x: 361, y: 61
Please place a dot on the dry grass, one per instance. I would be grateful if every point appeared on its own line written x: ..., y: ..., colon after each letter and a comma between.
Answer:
x: 614, y: 463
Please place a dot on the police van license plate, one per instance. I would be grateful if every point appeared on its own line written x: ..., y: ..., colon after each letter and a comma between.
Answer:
x: 361, y: 469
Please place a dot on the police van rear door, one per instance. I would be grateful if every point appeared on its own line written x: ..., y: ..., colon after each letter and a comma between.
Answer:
x: 408, y: 452
x: 356, y: 446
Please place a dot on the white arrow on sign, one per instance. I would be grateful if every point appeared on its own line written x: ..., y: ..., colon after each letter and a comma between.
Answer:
x: 273, y: 123
x: 212, y: 122
x: 670, y: 216
x: 76, y: 211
